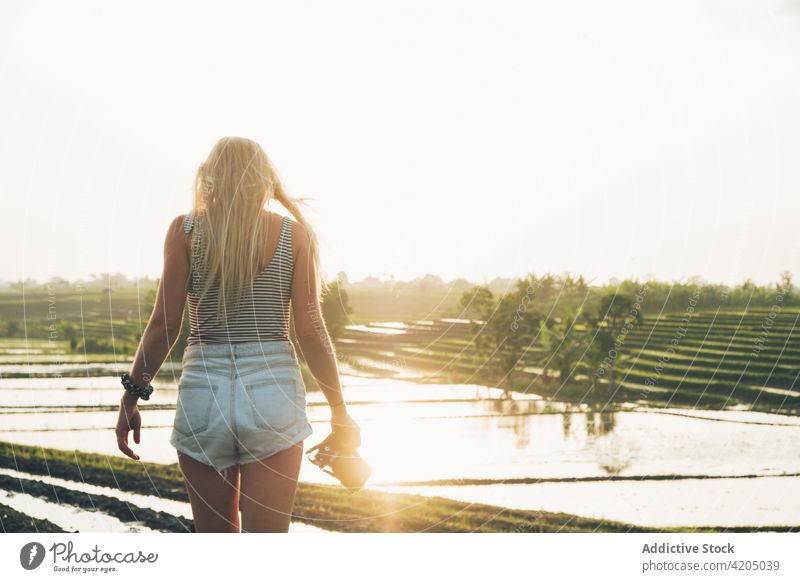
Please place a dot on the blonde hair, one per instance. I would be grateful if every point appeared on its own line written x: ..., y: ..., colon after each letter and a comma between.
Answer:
x: 231, y: 188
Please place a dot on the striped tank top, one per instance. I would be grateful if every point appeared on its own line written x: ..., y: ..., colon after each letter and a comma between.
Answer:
x: 263, y: 312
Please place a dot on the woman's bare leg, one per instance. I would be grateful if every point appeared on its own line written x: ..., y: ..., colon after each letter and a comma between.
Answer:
x: 268, y: 487
x: 214, y: 498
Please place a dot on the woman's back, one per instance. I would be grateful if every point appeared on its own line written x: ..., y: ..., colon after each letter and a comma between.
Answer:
x: 263, y: 313
x: 241, y: 399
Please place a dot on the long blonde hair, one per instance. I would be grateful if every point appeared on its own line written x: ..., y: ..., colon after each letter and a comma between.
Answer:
x: 231, y: 188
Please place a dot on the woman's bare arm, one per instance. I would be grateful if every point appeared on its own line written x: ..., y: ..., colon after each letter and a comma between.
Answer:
x: 160, y: 334
x: 165, y: 321
x: 309, y: 326
x: 312, y: 335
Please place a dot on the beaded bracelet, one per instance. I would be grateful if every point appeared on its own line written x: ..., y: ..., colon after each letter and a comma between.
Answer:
x: 143, y: 392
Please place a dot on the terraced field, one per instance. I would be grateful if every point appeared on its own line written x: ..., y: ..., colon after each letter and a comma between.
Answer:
x: 64, y: 488
x: 115, y: 321
x: 108, y: 492
x: 531, y: 464
x: 717, y: 359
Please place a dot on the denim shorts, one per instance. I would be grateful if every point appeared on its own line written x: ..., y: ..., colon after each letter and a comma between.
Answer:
x: 239, y: 402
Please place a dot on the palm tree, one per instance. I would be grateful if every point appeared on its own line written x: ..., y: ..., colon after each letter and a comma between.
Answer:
x: 477, y: 303
x: 616, y: 314
x: 506, y: 328
x: 564, y: 344
x: 336, y: 309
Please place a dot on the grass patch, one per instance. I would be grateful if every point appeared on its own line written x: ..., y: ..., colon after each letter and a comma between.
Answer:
x: 331, y: 508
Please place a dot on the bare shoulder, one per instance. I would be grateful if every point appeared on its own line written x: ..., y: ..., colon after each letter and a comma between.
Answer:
x: 176, y: 234
x: 177, y: 223
x: 300, y: 237
x: 301, y: 233
x: 274, y: 220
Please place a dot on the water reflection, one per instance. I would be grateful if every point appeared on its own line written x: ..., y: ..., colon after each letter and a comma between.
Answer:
x: 599, y: 423
x: 69, y: 518
x: 415, y: 432
x: 519, y: 416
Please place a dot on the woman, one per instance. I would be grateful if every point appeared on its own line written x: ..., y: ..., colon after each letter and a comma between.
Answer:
x: 240, y: 418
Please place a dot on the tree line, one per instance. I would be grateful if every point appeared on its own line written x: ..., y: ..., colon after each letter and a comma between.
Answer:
x: 568, y: 329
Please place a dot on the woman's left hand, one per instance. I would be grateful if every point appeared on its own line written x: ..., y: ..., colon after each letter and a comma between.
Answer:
x: 129, y: 420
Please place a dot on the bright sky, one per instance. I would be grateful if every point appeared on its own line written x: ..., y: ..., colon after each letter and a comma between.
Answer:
x: 464, y: 139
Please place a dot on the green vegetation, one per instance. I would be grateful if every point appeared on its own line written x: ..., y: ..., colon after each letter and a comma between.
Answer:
x: 112, y: 310
x: 692, y: 343
x: 327, y: 507
x: 431, y: 298
x: 621, y: 346
x: 109, y: 318
x: 695, y: 345
x: 336, y: 309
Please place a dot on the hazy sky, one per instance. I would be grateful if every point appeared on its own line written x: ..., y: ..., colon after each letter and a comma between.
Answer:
x: 465, y: 139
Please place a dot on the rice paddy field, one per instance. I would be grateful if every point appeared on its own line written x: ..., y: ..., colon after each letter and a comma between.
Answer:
x: 59, y: 471
x: 699, y: 434
x: 713, y: 359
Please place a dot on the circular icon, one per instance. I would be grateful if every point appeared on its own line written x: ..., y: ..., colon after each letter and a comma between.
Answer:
x: 31, y: 555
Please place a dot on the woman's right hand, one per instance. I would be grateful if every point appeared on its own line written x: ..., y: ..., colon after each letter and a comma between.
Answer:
x: 345, y: 429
